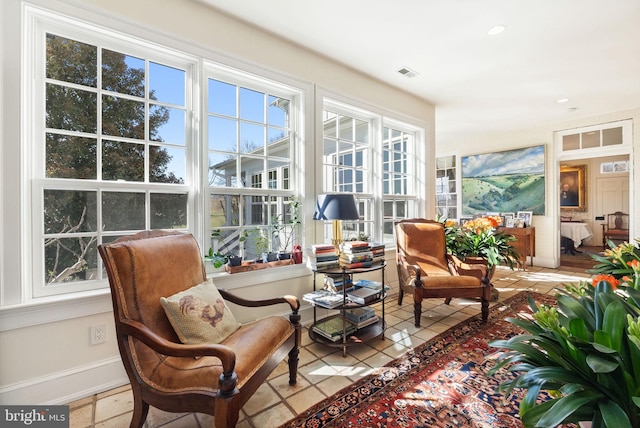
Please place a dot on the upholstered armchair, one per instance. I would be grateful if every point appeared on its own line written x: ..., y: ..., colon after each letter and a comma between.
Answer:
x: 212, y: 378
x: 425, y: 270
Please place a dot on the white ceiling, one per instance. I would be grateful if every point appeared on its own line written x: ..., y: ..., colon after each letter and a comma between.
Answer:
x: 585, y: 50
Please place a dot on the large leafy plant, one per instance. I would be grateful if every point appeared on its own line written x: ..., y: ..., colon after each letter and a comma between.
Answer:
x: 480, y: 238
x: 585, y: 353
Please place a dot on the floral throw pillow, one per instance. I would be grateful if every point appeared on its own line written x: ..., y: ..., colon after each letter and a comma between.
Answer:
x: 199, y: 314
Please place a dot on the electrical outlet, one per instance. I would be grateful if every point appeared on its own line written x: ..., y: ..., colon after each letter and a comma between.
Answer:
x: 98, y: 334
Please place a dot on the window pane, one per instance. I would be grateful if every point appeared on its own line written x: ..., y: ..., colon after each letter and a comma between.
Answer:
x: 222, y: 98
x: 167, y: 124
x: 167, y: 164
x: 166, y: 84
x: 277, y: 136
x: 362, y: 131
x: 278, y: 111
x: 70, y: 157
x: 251, y: 105
x: 168, y: 211
x: 251, y: 137
x: 66, y: 210
x: 70, y: 259
x: 222, y: 170
x: 590, y: 139
x: 122, y: 73
x: 122, y: 161
x: 571, y: 142
x: 122, y: 117
x: 223, y: 134
x: 612, y: 136
x: 123, y: 211
x: 224, y: 210
x: 71, y: 61
x: 71, y: 109
x: 346, y: 129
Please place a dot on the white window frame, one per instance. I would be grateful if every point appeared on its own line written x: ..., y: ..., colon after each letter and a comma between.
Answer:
x: 370, y: 203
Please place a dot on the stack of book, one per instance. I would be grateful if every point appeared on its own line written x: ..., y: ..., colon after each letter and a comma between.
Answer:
x: 322, y: 256
x: 333, y: 328
x: 377, y: 251
x: 362, y: 317
x: 356, y: 254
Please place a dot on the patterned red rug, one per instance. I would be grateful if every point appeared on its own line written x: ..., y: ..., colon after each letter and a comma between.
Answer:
x: 441, y: 383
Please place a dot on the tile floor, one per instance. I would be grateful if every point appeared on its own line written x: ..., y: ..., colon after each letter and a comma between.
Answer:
x: 323, y: 370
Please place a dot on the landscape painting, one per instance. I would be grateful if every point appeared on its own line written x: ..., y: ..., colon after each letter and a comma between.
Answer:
x: 508, y: 181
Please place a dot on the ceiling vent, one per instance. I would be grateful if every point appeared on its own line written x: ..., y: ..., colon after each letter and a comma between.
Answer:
x: 405, y: 71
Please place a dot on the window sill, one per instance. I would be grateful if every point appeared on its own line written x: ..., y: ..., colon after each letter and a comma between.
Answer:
x: 76, y: 305
x: 56, y: 308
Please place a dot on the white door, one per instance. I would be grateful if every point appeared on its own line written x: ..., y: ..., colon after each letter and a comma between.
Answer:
x: 612, y: 195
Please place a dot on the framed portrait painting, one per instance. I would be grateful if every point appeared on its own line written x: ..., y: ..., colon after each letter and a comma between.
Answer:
x: 573, y: 193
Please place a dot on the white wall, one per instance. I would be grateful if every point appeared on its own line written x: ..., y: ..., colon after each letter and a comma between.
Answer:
x: 547, y: 226
x: 45, y: 356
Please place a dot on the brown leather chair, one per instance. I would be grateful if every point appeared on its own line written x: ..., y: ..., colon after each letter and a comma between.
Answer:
x: 216, y: 379
x: 616, y: 228
x: 426, y: 270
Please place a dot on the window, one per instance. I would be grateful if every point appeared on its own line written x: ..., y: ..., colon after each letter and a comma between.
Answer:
x: 446, y: 191
x: 375, y: 158
x: 399, y: 179
x: 114, y: 153
x: 118, y: 150
x: 604, y: 137
x: 251, y: 127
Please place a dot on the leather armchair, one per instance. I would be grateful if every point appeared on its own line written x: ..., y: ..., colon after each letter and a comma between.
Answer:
x: 426, y: 270
x: 216, y: 379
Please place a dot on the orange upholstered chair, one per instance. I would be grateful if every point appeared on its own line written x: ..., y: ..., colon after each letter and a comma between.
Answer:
x: 212, y: 378
x: 426, y: 270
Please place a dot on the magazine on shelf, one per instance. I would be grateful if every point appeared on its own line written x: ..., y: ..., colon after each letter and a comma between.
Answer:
x: 362, y: 324
x: 324, y: 298
x: 374, y: 285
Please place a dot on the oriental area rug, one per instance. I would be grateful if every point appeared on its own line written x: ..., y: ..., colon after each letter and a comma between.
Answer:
x: 441, y: 383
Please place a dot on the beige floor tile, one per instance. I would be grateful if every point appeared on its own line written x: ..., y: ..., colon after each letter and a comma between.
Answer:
x: 273, y: 417
x: 157, y: 417
x: 185, y: 421
x: 305, y: 399
x: 264, y: 397
x: 116, y: 422
x: 282, y: 387
x: 81, y: 417
x: 112, y: 405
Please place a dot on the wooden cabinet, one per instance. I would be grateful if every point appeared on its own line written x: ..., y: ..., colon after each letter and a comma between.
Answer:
x: 525, y: 242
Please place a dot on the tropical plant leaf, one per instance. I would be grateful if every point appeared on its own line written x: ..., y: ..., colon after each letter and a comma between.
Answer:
x: 615, y: 321
x: 563, y: 408
x: 613, y: 415
x: 601, y: 365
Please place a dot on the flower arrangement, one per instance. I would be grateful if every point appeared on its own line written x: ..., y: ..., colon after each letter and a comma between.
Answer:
x: 585, y: 352
x: 479, y: 238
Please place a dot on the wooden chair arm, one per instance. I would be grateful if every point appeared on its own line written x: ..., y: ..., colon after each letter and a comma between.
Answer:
x: 469, y: 269
x: 292, y: 301
x: 406, y: 267
x: 148, y: 337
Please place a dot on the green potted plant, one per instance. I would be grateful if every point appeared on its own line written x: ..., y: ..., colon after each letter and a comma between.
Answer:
x: 585, y: 352
x: 285, y: 231
x: 223, y: 254
x: 479, y: 238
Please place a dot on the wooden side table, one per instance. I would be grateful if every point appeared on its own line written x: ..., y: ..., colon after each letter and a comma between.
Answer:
x: 525, y: 242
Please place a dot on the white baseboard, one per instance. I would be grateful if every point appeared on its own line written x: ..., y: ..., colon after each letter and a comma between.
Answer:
x: 67, y: 386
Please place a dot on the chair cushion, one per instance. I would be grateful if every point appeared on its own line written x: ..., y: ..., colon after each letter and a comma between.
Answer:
x: 200, y: 314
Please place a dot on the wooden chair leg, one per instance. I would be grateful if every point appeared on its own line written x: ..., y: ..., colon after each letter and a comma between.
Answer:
x: 293, y: 365
x: 417, y: 312
x: 140, y: 411
x: 447, y: 300
x: 400, y: 295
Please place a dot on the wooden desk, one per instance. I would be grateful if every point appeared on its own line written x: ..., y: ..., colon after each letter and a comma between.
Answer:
x: 525, y: 242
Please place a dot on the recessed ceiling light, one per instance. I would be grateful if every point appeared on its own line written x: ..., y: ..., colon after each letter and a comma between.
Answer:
x: 562, y: 100
x: 496, y: 30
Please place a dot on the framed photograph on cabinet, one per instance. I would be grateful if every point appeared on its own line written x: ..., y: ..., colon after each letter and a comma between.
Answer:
x: 525, y: 216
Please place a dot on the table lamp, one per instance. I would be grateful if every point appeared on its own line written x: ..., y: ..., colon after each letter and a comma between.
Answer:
x: 336, y: 207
